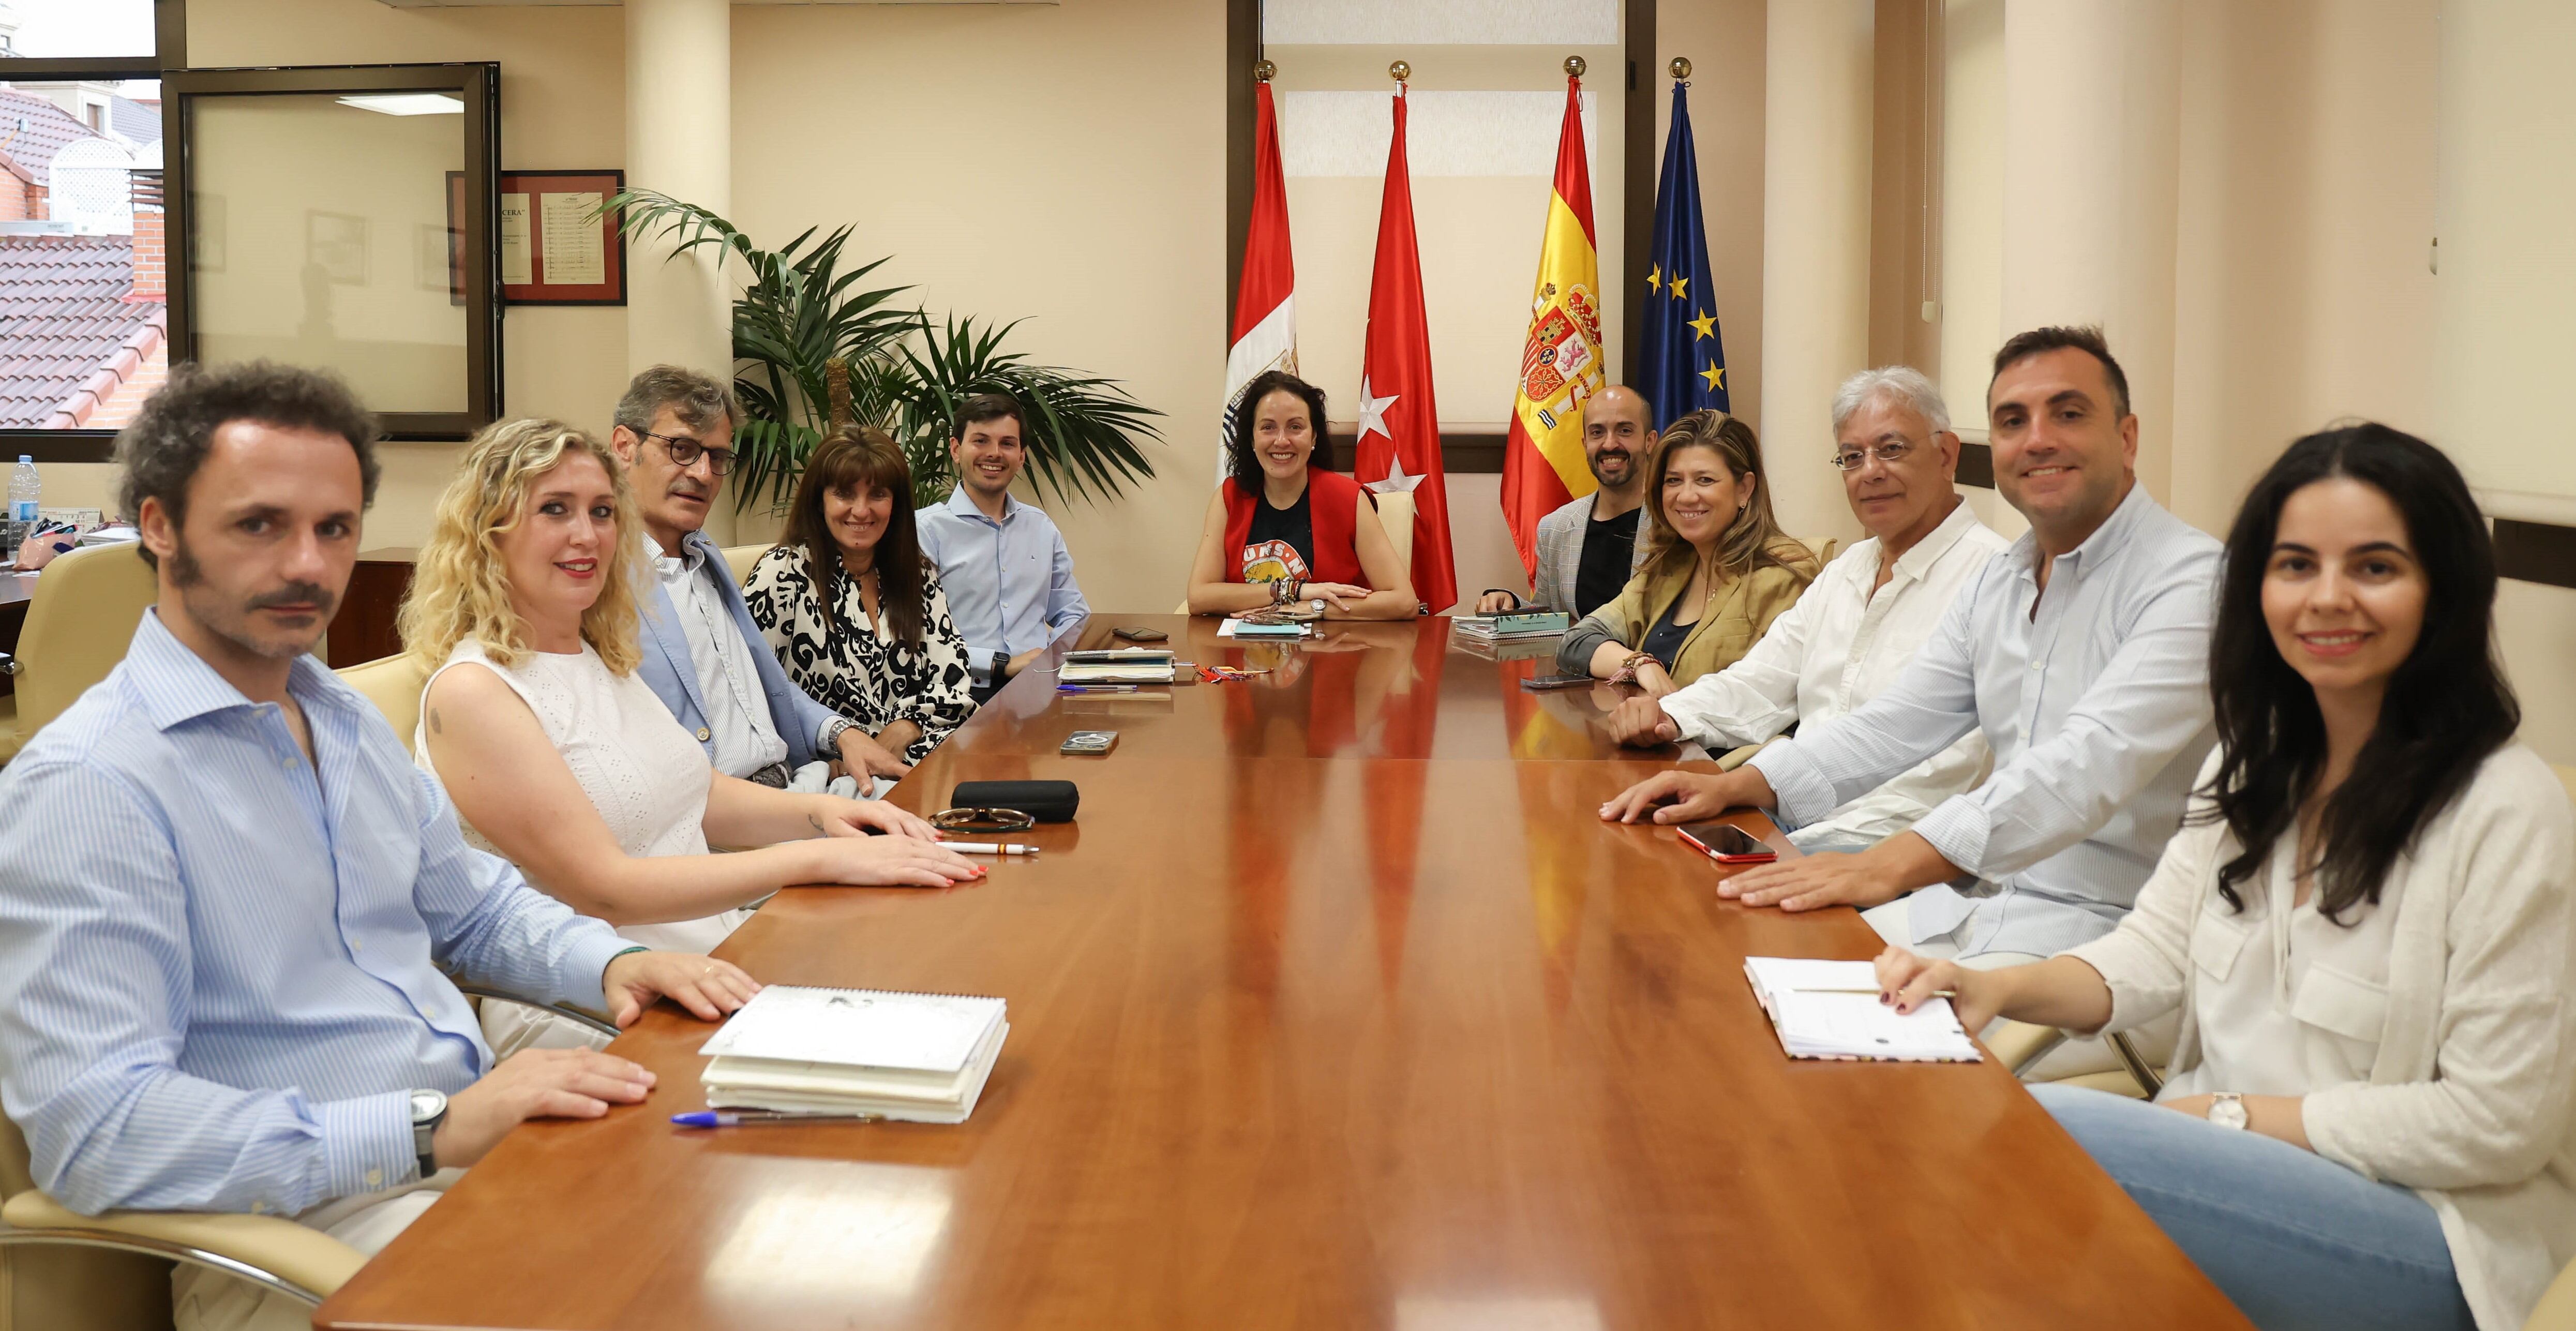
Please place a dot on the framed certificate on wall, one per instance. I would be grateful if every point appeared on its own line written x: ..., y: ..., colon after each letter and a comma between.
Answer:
x: 553, y: 246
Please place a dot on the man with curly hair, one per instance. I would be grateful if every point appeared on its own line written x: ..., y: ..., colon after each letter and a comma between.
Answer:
x: 228, y: 902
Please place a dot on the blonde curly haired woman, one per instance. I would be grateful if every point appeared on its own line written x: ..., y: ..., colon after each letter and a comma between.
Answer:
x: 1718, y: 568
x: 560, y: 758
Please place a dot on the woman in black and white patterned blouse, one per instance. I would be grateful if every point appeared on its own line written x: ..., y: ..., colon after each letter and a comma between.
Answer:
x: 876, y: 643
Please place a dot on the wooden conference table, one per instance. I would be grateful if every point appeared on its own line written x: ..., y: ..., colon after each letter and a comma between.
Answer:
x: 1336, y: 1007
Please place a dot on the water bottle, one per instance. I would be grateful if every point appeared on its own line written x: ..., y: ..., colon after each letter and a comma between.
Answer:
x: 23, y: 487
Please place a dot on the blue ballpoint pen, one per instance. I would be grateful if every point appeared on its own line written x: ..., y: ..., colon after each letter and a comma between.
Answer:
x: 734, y: 1118
x: 1095, y: 688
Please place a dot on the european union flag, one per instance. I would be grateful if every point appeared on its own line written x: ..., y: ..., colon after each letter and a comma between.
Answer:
x: 1681, y: 365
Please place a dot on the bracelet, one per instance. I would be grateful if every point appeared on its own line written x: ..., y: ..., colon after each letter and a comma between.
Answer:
x: 622, y: 952
x: 1627, y: 671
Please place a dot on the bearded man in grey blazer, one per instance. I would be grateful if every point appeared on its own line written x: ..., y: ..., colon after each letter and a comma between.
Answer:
x: 1588, y: 549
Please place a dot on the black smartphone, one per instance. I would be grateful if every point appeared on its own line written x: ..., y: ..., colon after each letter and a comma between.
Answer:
x: 1538, y: 683
x: 1727, y: 844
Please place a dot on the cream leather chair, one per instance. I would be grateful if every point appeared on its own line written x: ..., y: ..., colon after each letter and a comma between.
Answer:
x: 78, y: 625
x: 2556, y: 1310
x: 740, y: 558
x: 393, y: 684
x: 63, y: 1271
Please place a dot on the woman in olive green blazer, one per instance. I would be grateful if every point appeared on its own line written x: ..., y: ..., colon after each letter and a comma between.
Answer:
x: 1718, y: 568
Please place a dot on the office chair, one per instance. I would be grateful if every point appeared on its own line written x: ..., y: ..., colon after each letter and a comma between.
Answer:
x: 78, y: 625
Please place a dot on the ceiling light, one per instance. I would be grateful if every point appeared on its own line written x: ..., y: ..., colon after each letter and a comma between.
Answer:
x: 407, y: 103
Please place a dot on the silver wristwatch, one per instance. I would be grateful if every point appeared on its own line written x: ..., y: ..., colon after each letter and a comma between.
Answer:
x: 428, y: 1110
x: 2227, y: 1110
x: 833, y: 729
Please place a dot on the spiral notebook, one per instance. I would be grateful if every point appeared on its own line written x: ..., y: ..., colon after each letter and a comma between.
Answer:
x: 916, y: 1057
x: 1830, y: 1009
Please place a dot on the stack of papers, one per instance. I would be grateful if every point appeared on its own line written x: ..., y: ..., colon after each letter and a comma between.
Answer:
x: 1245, y: 629
x: 920, y: 1058
x: 1830, y: 1009
x: 1517, y: 625
x: 1123, y: 665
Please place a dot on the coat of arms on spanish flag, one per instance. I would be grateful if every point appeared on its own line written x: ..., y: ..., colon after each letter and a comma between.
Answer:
x: 1543, y: 463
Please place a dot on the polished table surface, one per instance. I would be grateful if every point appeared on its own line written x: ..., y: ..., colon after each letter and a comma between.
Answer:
x: 1307, y: 1035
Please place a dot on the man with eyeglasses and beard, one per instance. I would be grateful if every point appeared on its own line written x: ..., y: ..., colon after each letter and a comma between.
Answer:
x: 1588, y: 549
x: 703, y: 656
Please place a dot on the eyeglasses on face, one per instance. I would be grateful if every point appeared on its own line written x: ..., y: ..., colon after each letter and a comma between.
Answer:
x: 686, y: 452
x: 1888, y: 452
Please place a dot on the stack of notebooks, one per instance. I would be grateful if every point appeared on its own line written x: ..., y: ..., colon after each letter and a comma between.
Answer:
x: 1513, y: 627
x: 919, y: 1058
x: 1249, y: 631
x: 1120, y: 665
x: 1830, y: 1009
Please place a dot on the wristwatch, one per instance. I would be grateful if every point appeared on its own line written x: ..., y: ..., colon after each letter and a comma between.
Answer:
x: 428, y: 1110
x: 1001, y: 667
x: 2227, y: 1110
x: 833, y: 730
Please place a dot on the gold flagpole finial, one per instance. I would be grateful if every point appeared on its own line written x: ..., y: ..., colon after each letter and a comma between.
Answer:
x: 1265, y: 71
x: 1574, y: 66
x: 1399, y: 71
x: 1681, y: 66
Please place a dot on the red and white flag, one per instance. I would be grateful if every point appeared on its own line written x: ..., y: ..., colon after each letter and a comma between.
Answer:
x: 1265, y: 303
x: 1399, y: 424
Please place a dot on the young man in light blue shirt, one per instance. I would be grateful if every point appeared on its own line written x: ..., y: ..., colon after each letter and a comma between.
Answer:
x: 228, y: 901
x: 1008, y: 575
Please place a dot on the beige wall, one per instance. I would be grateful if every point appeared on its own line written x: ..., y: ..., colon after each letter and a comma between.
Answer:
x: 562, y: 89
x: 1092, y: 206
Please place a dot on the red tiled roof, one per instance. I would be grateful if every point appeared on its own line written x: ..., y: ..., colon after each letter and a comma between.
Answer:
x: 64, y: 317
x: 49, y: 128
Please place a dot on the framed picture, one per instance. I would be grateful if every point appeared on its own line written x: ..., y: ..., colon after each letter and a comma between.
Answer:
x: 555, y: 247
x: 336, y: 243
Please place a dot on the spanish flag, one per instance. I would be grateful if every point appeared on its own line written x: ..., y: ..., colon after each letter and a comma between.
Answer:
x: 1543, y: 463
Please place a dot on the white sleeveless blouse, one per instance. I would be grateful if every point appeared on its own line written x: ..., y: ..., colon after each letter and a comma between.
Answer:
x: 644, y: 774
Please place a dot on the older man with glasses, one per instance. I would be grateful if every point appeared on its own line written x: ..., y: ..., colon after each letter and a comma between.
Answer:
x: 1864, y: 618
x: 703, y: 656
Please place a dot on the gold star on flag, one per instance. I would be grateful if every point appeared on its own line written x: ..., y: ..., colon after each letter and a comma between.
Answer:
x: 1678, y: 284
x: 1702, y: 324
x: 1655, y: 277
x: 1716, y: 377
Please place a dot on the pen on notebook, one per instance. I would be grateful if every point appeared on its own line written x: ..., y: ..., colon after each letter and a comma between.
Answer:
x: 735, y: 1118
x: 1865, y: 989
x: 989, y: 848
x: 1095, y: 688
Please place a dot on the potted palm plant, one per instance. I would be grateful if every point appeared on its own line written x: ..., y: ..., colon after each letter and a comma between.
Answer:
x: 807, y: 317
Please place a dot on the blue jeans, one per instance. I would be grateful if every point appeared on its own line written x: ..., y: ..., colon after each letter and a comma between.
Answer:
x: 2296, y: 1240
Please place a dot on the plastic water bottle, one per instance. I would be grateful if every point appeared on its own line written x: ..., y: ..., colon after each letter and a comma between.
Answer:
x: 23, y: 487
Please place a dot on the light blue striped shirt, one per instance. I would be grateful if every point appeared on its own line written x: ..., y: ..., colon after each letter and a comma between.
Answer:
x: 219, y: 975
x: 1010, y: 583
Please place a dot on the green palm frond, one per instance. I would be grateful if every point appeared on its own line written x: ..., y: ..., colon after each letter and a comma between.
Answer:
x: 804, y: 304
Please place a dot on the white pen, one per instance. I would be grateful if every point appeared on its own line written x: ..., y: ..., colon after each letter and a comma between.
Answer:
x: 989, y: 848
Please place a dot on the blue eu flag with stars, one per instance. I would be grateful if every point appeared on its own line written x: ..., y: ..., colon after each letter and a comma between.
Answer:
x: 1681, y: 362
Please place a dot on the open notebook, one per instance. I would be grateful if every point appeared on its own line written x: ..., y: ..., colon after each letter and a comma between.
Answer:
x: 1830, y: 1009
x: 921, y: 1058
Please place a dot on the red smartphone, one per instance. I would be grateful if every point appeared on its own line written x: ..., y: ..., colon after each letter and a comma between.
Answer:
x: 1544, y: 682
x: 1727, y: 844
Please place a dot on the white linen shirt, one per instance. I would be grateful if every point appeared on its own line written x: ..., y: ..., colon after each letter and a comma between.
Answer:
x: 2468, y: 1096
x: 1838, y: 647
x: 738, y: 721
x: 2095, y: 698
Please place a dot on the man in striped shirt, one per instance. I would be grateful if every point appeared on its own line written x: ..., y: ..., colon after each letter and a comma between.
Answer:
x: 227, y: 898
